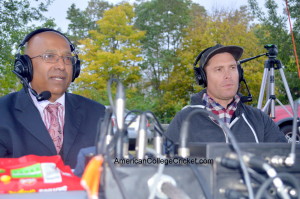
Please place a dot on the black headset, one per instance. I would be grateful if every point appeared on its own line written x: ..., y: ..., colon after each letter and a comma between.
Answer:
x: 200, y: 73
x: 23, y: 65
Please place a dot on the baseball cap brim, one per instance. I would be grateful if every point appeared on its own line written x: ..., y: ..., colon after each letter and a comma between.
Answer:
x: 236, y: 52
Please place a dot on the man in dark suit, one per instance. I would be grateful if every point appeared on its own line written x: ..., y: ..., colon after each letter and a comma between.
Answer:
x: 49, y: 64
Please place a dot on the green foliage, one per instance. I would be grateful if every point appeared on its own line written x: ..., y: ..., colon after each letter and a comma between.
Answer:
x: 227, y: 28
x: 112, y: 51
x: 151, y: 48
x: 16, y: 17
x: 163, y: 22
x: 84, y: 21
x: 294, y: 10
x: 273, y: 30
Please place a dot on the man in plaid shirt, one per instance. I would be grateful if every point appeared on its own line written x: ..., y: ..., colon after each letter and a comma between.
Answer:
x: 220, y: 74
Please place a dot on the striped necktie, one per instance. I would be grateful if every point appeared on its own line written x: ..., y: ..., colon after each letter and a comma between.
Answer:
x: 55, y: 129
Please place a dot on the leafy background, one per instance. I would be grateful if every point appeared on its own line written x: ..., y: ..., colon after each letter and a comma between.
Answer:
x: 151, y: 46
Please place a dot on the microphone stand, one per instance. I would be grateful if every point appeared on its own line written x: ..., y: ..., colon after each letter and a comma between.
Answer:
x: 119, y: 113
x: 104, y: 132
x: 158, y: 139
x: 158, y: 142
x: 118, y: 108
x: 141, y: 141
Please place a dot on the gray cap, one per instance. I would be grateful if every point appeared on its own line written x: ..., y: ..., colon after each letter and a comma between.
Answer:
x: 208, y: 53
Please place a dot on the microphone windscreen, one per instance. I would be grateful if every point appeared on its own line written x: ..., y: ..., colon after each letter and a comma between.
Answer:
x: 45, y: 95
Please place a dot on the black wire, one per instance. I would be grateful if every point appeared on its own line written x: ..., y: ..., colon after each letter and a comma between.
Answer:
x: 102, y: 129
x: 203, y: 185
x: 260, y: 178
x: 169, y: 145
x: 99, y: 134
x: 116, y: 178
x: 134, y: 118
x: 231, y: 138
x: 288, y: 177
x: 161, y: 129
x: 152, y: 115
x: 101, y: 141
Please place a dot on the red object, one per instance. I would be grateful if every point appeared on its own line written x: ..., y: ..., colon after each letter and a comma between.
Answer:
x: 285, y: 121
x: 31, y: 173
x: 281, y: 115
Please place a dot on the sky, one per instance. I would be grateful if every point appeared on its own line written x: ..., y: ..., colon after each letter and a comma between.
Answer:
x: 58, y: 9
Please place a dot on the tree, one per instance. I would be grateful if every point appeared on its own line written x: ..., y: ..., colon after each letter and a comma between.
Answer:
x: 83, y: 21
x: 16, y: 17
x: 112, y: 51
x: 163, y: 22
x: 273, y: 30
x: 293, y: 76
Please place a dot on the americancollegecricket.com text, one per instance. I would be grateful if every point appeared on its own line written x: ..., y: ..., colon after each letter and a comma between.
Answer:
x: 167, y: 161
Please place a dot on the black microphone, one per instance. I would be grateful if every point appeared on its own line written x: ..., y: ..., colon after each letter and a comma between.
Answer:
x: 247, y: 98
x: 45, y: 95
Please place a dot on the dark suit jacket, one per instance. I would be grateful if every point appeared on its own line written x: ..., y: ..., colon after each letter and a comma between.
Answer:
x: 23, y: 132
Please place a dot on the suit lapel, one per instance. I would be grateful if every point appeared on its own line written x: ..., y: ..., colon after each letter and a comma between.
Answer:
x: 28, y: 115
x: 73, y: 118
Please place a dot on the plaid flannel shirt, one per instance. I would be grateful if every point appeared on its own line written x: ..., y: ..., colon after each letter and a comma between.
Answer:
x: 225, y: 114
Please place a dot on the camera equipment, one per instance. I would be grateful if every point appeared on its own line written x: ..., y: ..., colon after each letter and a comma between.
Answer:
x: 271, y: 65
x: 273, y: 51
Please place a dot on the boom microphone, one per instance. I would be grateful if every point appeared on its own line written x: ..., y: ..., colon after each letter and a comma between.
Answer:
x: 45, y: 95
x: 247, y: 98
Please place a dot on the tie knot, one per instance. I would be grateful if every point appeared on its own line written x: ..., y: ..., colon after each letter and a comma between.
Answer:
x: 53, y: 108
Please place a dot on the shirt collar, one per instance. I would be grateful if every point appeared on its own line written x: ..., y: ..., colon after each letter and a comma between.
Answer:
x: 42, y: 104
x: 210, y: 103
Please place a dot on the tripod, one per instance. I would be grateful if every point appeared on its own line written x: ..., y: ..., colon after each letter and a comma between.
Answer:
x: 271, y: 65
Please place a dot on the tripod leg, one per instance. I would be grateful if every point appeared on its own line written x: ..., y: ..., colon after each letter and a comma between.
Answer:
x: 272, y: 92
x: 287, y: 89
x: 266, y: 107
x: 262, y: 88
x: 279, y: 102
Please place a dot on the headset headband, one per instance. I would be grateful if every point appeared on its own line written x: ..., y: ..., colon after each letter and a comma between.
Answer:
x: 30, y: 35
x: 200, y: 55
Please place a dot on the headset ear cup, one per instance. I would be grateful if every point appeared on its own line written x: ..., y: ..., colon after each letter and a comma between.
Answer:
x: 76, y: 70
x: 200, y: 76
x: 23, y: 66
